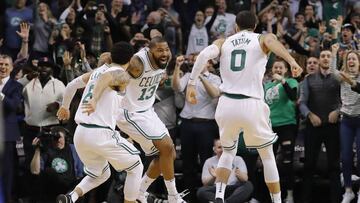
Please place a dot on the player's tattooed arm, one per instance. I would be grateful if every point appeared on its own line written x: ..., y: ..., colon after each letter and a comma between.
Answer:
x: 113, y: 78
x: 119, y: 77
x: 136, y: 67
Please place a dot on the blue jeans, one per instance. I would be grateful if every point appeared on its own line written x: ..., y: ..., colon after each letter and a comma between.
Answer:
x: 349, y: 130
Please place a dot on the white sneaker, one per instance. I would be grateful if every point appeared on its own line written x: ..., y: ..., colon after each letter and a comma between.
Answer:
x: 347, y: 197
x: 143, y: 196
x: 358, y: 201
x: 178, y: 197
x: 253, y: 200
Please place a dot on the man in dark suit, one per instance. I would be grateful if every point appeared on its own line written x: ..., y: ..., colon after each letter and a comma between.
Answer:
x: 11, y: 98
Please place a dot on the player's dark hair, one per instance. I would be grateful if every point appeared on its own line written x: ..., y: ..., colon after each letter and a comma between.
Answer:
x: 156, y: 40
x: 246, y: 20
x: 121, y: 52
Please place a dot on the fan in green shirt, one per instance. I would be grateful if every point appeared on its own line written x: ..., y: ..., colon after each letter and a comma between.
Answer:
x: 280, y: 95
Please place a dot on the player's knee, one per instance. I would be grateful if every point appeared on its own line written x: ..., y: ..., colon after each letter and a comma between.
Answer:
x: 226, y: 159
x: 266, y: 153
x: 138, y: 169
x: 173, y: 153
x: 267, y: 156
x: 165, y: 146
x: 133, y: 181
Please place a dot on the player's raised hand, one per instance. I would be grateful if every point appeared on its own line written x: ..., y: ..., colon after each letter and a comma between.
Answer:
x: 63, y: 113
x: 89, y: 107
x: 191, y: 94
x: 296, y: 70
x: 180, y: 60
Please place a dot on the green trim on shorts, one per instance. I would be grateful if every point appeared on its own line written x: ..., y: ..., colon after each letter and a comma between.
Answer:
x: 153, y: 153
x: 132, y: 166
x: 105, y: 168
x: 231, y: 147
x: 85, y: 125
x: 235, y: 96
x: 266, y: 144
x: 87, y: 172
x: 127, y: 148
x: 141, y: 131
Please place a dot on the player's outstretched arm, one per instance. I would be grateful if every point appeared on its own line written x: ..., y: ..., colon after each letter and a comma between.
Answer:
x: 70, y: 90
x: 205, y: 55
x: 269, y: 42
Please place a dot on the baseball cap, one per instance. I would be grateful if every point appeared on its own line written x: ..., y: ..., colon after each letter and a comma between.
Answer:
x: 45, y: 61
x: 348, y: 26
x: 312, y: 32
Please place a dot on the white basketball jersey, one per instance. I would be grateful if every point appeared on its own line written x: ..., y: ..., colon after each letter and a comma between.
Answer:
x: 198, y: 40
x: 140, y: 92
x: 107, y: 105
x: 242, y: 65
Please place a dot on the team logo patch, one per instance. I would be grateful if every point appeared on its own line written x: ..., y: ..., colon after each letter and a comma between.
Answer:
x: 59, y: 165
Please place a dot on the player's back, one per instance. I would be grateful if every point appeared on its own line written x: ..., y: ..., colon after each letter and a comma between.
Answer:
x: 107, y: 105
x: 140, y: 92
x: 242, y: 65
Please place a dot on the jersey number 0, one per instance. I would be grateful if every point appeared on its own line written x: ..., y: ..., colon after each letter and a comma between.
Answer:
x: 238, y: 58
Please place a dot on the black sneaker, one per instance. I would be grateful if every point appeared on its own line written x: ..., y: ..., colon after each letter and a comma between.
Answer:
x: 219, y: 200
x: 63, y: 199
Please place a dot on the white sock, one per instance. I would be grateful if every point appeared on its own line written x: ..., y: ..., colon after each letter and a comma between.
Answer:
x: 220, y: 190
x: 170, y: 186
x: 276, y: 197
x: 145, y: 183
x: 74, y: 196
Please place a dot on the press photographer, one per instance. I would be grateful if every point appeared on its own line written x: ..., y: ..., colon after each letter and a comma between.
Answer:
x: 55, y: 163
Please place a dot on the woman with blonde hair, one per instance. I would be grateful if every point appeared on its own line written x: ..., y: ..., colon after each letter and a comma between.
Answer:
x: 350, y: 117
x: 43, y: 25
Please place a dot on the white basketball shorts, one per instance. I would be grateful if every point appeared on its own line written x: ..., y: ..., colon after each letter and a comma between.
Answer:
x: 143, y: 128
x: 97, y: 146
x: 247, y: 114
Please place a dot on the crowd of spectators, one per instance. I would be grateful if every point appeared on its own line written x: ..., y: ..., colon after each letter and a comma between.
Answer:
x: 44, y: 44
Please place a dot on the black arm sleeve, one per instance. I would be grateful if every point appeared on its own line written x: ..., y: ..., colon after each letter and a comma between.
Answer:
x: 356, y: 88
x: 212, y: 20
x: 295, y: 46
x: 290, y: 92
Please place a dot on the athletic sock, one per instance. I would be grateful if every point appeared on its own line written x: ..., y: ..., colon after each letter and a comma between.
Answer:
x: 145, y: 183
x: 220, y: 190
x: 170, y: 186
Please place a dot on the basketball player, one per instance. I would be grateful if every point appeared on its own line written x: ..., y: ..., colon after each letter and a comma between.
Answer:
x: 243, y: 57
x: 95, y: 139
x: 138, y: 119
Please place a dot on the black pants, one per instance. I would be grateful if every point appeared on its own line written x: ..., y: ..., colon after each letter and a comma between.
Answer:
x: 287, y: 136
x: 314, y: 137
x: 237, y: 193
x: 9, y: 169
x: 197, y: 140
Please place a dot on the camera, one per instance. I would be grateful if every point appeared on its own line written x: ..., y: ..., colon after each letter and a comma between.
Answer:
x: 48, y: 136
